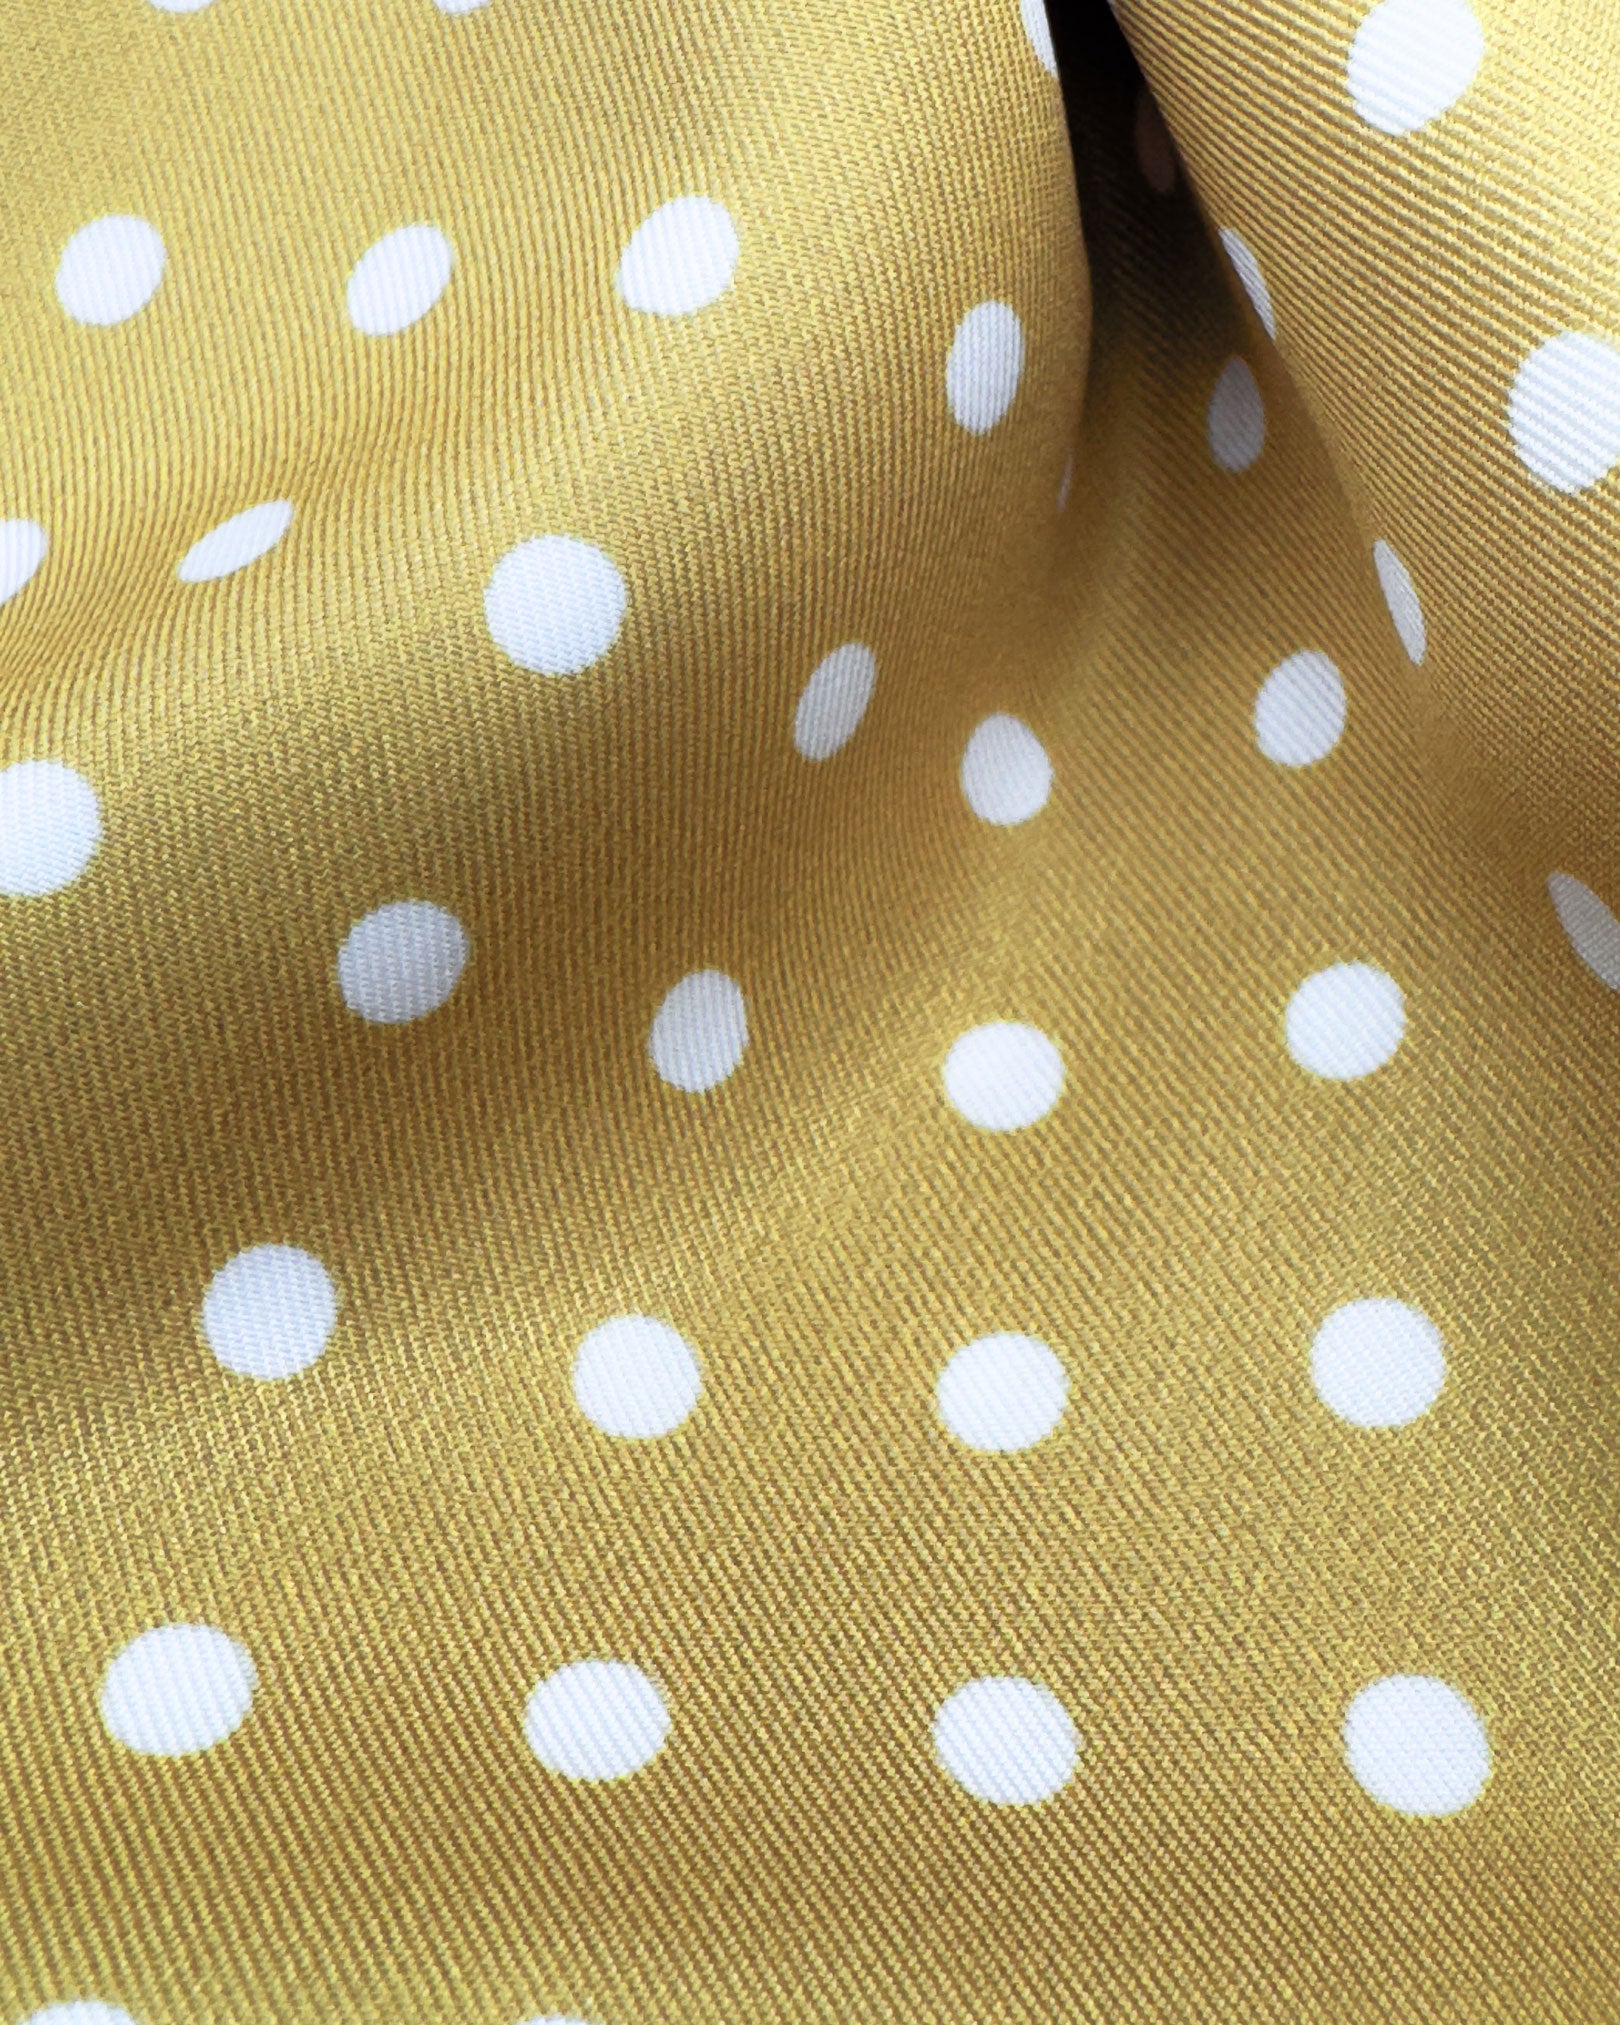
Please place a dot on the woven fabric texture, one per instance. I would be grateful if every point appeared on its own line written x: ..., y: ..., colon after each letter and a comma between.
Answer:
x: 809, y: 1042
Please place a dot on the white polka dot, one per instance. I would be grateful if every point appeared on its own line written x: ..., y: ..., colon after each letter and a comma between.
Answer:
x: 834, y: 700
x: 50, y: 825
x: 1003, y: 1393
x: 1299, y: 712
x: 1246, y: 267
x: 1594, y: 933
x: 1417, y: 1745
x: 1006, y: 775
x: 1236, y: 420
x: 399, y: 279
x: 1378, y: 1363
x: 83, y: 2010
x: 636, y: 1377
x: 1039, y: 30
x: 178, y: 1689
x: 596, y: 1719
x: 699, y: 1031
x: 1345, y: 1021
x: 181, y: 6
x: 23, y: 545
x: 236, y: 542
x: 1066, y: 483
x: 1007, y: 1740
x: 269, y: 1311
x: 680, y: 259
x: 986, y: 363
x: 1003, y: 1076
x: 1564, y: 411
x: 554, y: 2017
x: 459, y: 6
x: 1401, y: 598
x: 401, y: 961
x: 1412, y: 60
x: 109, y: 269
x: 555, y: 604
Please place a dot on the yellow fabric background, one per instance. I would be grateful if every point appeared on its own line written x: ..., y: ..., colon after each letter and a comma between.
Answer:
x: 1202, y: 1563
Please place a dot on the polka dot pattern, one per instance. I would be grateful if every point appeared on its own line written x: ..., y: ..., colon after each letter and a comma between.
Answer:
x: 699, y: 1032
x: 1006, y: 775
x: 1416, y: 1745
x: 1346, y: 1021
x: 236, y: 542
x: 83, y: 2010
x: 110, y: 270
x: 1300, y: 710
x: 636, y: 1377
x: 269, y: 1311
x: 1007, y: 1741
x: 554, y: 605
x: 1411, y: 60
x: 678, y: 460
x: 1236, y: 419
x: 1564, y: 411
x: 985, y: 366
x: 597, y: 1720
x: 1004, y: 1076
x: 1246, y: 266
x: 398, y: 280
x: 177, y: 1690
x: 1593, y: 931
x: 681, y: 259
x: 401, y: 962
x: 1400, y: 596
x: 834, y: 700
x: 1378, y: 1363
x: 1033, y: 15
x: 50, y: 827
x: 23, y: 547
x: 1003, y: 1393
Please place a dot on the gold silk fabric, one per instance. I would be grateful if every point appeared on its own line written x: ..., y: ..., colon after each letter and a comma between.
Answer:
x: 808, y: 1018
